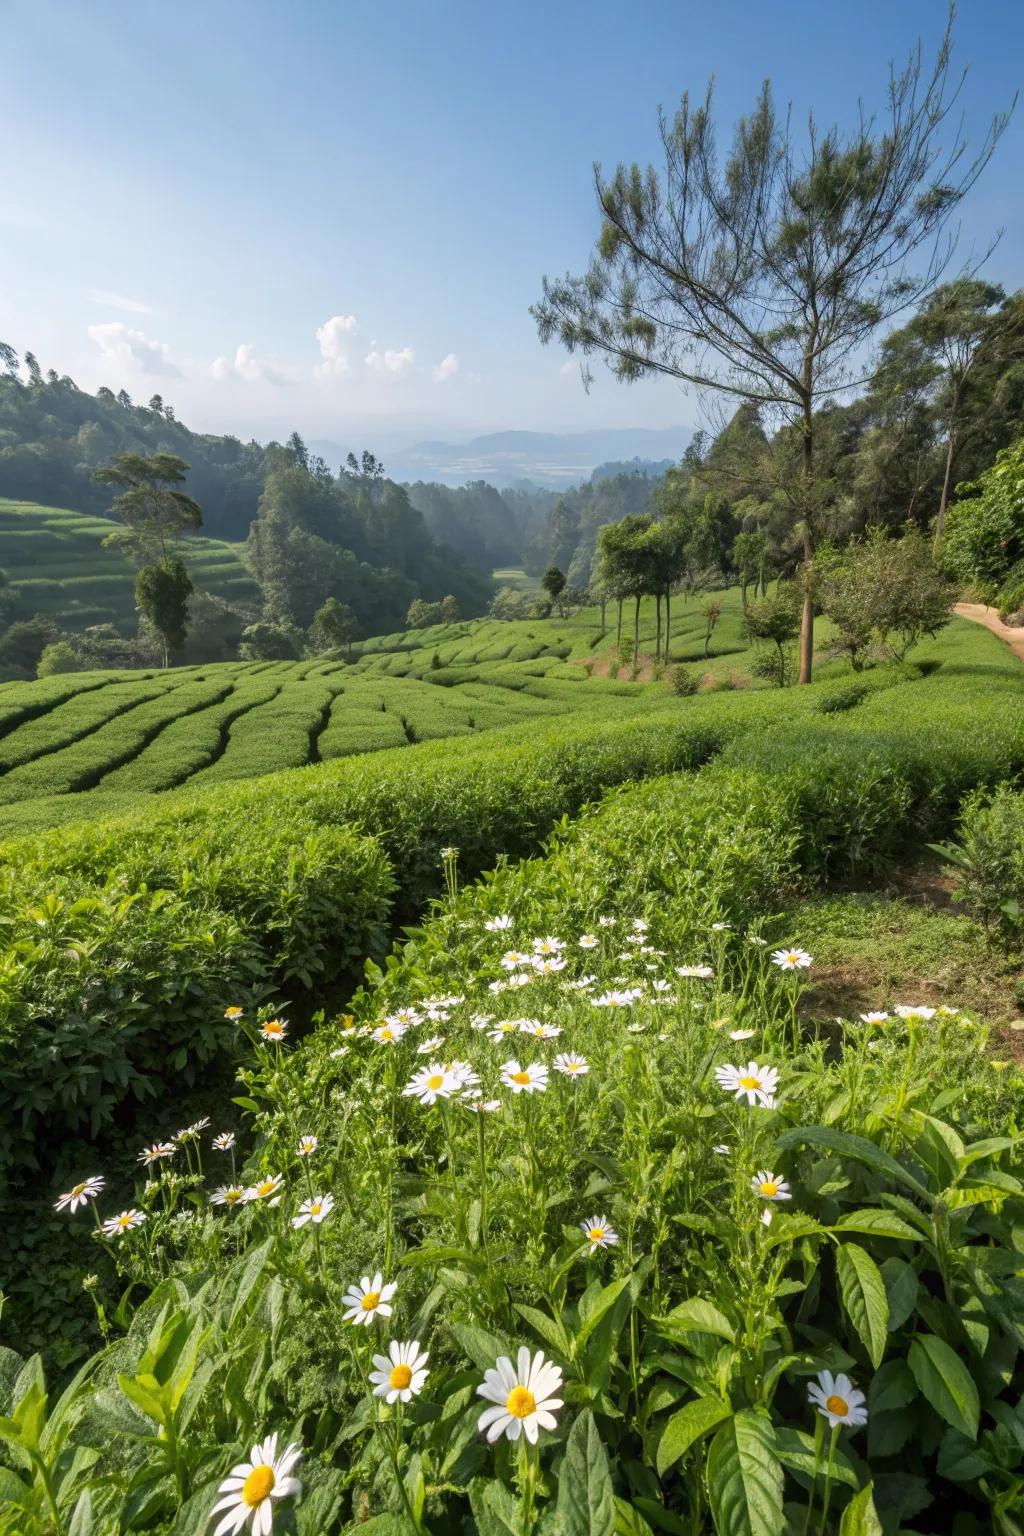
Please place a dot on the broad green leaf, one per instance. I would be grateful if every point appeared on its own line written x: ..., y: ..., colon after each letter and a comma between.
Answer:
x: 796, y: 1450
x: 585, y: 1503
x: 864, y: 1298
x: 250, y: 1273
x: 874, y: 1222
x: 901, y: 1287
x: 483, y: 1348
x: 495, y: 1510
x: 629, y: 1521
x: 959, y: 1459
x: 689, y: 1424
x: 744, y: 1477
x: 987, y: 1148
x: 892, y: 1387
x: 700, y: 1316
x: 550, y: 1331
x: 660, y: 1518
x: 860, y: 1518
x: 790, y: 1228
x: 595, y: 1303
x: 945, y: 1382
x: 81, y: 1520
x: 844, y: 1144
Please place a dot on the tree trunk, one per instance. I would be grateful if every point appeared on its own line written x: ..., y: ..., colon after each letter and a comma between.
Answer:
x: 668, y: 623
x: 603, y: 601
x: 618, y: 624
x: 657, y: 633
x: 743, y: 591
x: 807, y: 616
x: 636, y: 635
x: 944, y: 498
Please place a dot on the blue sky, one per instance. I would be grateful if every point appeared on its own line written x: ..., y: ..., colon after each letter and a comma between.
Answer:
x: 335, y: 215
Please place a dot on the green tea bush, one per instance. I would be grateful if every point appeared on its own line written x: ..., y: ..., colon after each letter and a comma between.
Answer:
x: 989, y: 855
x: 682, y: 682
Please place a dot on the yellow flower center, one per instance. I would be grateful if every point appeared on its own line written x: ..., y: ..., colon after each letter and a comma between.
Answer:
x: 387, y: 1034
x: 124, y: 1221
x: 401, y: 1376
x: 596, y: 1234
x: 257, y: 1486
x: 266, y: 1188
x: 769, y: 1188
x: 520, y: 1403
x: 508, y: 1029
x: 232, y: 1196
x: 435, y: 1080
x: 371, y: 1301
x: 837, y: 1405
x: 792, y: 958
x: 273, y: 1030
x: 520, y: 1077
x: 79, y: 1189
x: 315, y: 1208
x: 750, y: 1082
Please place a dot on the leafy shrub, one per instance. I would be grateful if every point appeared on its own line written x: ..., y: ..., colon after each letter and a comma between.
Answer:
x: 990, y: 858
x: 682, y: 681
x: 837, y: 700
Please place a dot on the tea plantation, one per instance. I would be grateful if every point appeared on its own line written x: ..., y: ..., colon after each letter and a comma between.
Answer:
x: 425, y: 1058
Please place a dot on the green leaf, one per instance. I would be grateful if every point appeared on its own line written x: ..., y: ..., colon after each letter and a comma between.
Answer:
x: 901, y: 1287
x: 251, y: 1271
x: 483, y: 1348
x: 688, y: 1425
x: 81, y: 1520
x: 796, y: 1450
x: 744, y: 1477
x: 495, y: 1510
x: 860, y: 1518
x: 596, y: 1302
x: 892, y: 1387
x: 873, y: 1222
x: 550, y: 1331
x: 945, y: 1382
x: 249, y: 1104
x: 858, y: 1147
x: 700, y: 1316
x: 864, y: 1298
x: 629, y: 1521
x: 585, y: 1503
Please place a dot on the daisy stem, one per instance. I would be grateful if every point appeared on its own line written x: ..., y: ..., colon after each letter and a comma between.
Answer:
x: 819, y: 1437
x: 394, y: 1444
x: 526, y: 1484
x: 482, y: 1147
x: 826, y: 1499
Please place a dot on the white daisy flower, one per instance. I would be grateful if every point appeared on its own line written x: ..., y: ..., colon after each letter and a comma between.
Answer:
x: 274, y: 1030
x: 721, y: 927
x: 117, y: 1226
x: 497, y: 986
x: 571, y: 1063
x: 530, y: 1079
x: 521, y: 979
x: 498, y: 924
x: 876, y: 1016
x: 369, y: 1299
x: 582, y: 983
x: 791, y: 959
x: 80, y: 1195
x: 512, y: 959
x: 606, y: 922
x: 914, y: 1011
x: 431, y: 1083
x: 838, y: 1400
x: 479, y: 1105
x: 481, y: 1020
x: 548, y: 946
x: 523, y: 1394
x: 756, y: 1084
x: 548, y: 966
x: 428, y: 1047
x: 540, y: 1031
x: 769, y: 1186
x: 612, y: 1000
x: 307, y: 1146
x: 264, y: 1188
x: 224, y: 1141
x: 505, y: 1027
x: 588, y: 941
x: 228, y: 1194
x: 234, y: 1012
x: 400, y: 1374
x: 316, y: 1210
x: 158, y: 1150
x: 640, y: 925
x: 404, y: 1018
x: 700, y: 972
x: 252, y: 1487
x: 599, y: 1232
x: 388, y: 1034
x: 463, y: 1073
x: 740, y: 1034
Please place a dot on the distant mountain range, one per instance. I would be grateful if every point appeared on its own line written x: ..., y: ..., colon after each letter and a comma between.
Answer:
x: 552, y: 459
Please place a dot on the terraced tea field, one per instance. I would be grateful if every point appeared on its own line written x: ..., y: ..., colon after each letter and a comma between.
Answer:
x: 58, y: 567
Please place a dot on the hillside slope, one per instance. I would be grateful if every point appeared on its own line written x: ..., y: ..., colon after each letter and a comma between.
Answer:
x: 58, y: 567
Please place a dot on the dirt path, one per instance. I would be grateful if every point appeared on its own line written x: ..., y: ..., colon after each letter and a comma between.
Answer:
x: 991, y: 620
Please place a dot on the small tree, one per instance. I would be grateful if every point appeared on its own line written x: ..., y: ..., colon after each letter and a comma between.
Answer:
x: 422, y: 615
x: 334, y: 626
x: 270, y: 642
x: 449, y: 609
x: 984, y: 536
x: 60, y: 657
x: 553, y: 582
x: 149, y: 502
x: 776, y: 620
x: 162, y: 592
x: 887, y: 589
x: 712, y: 614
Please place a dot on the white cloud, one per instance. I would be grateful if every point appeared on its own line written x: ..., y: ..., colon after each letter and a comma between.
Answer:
x: 248, y: 367
x: 447, y: 368
x: 333, y: 338
x: 395, y: 363
x: 120, y: 345
x: 117, y: 301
